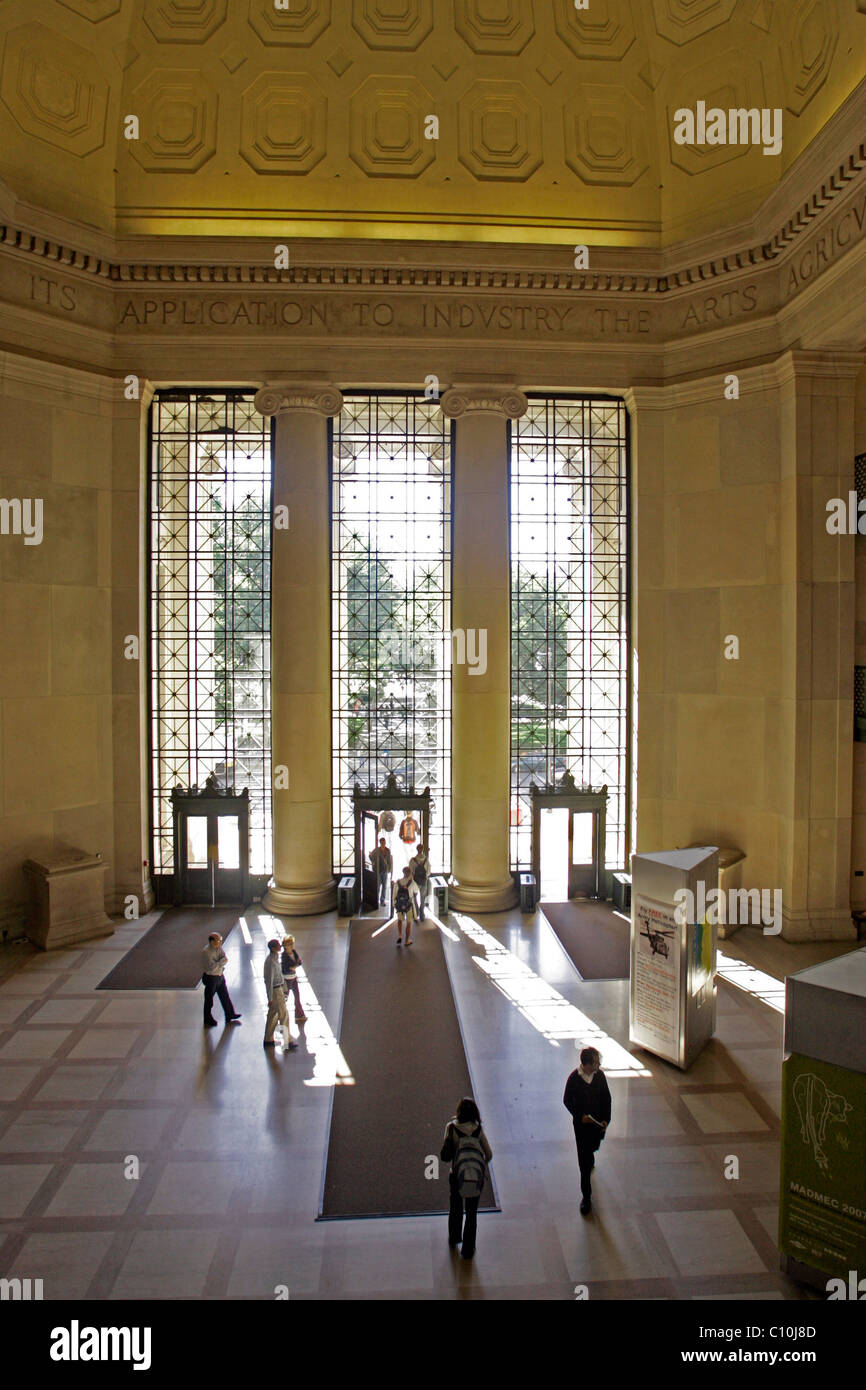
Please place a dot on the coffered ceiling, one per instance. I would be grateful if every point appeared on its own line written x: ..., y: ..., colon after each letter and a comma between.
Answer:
x: 553, y: 122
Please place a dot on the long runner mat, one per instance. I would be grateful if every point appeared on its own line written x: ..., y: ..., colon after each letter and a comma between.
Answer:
x: 400, y: 1038
x: 168, y: 956
x: 595, y: 940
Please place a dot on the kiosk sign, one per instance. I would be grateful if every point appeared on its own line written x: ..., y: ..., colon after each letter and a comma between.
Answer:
x: 822, y: 1206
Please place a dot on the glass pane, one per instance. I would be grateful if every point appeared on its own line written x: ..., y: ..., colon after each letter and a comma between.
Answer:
x: 581, y: 845
x: 228, y: 842
x: 196, y: 842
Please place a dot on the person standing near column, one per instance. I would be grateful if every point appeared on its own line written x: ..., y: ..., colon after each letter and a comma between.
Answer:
x: 276, y: 992
x: 214, y: 961
x: 587, y: 1099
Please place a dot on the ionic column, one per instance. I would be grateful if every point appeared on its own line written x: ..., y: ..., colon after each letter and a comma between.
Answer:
x: 481, y: 588
x: 303, y: 882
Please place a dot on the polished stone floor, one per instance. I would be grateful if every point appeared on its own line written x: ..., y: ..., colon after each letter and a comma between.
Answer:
x: 141, y: 1157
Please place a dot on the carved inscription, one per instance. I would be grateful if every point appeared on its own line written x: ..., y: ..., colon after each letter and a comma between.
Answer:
x: 45, y: 290
x: 720, y: 307
x: 408, y: 315
x: 827, y: 247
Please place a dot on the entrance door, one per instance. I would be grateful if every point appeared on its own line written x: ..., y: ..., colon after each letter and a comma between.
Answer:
x: 583, y: 867
x: 211, y: 869
x: 369, y: 841
x: 196, y: 866
x: 554, y: 835
x: 228, y: 859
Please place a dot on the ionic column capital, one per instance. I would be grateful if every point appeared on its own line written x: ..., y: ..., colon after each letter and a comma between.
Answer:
x: 469, y: 400
x: 281, y: 398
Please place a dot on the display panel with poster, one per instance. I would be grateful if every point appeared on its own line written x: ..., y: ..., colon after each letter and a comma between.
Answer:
x: 672, y: 999
x: 656, y: 966
x: 822, y: 1201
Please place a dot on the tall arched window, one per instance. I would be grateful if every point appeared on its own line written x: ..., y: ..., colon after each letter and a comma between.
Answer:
x: 391, y: 608
x: 210, y: 617
x: 569, y: 609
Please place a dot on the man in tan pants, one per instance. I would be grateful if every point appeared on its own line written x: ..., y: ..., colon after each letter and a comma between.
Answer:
x: 276, y: 992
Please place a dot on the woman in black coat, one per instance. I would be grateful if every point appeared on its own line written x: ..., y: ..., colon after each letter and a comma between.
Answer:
x: 587, y: 1099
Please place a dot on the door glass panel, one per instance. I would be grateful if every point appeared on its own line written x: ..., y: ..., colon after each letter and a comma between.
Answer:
x: 196, y: 842
x: 228, y: 841
x: 554, y: 853
x: 581, y: 852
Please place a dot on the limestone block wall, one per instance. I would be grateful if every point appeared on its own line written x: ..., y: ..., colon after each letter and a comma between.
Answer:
x: 745, y: 628
x: 56, y: 719
x: 708, y: 569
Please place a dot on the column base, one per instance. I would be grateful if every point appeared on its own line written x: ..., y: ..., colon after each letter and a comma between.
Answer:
x: 833, y: 924
x: 300, y: 902
x: 483, y: 897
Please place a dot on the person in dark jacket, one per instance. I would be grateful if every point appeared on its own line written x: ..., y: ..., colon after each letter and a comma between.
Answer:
x: 587, y: 1099
x: 466, y: 1147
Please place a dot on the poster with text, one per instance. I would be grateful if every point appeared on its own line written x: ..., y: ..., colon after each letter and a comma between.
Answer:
x: 655, y: 994
x: 822, y: 1202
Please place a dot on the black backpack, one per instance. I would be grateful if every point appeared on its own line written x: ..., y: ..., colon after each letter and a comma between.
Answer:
x: 470, y: 1165
x: 402, y: 899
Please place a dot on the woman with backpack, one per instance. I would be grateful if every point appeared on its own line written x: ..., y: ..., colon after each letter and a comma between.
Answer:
x: 467, y: 1149
x: 404, y: 905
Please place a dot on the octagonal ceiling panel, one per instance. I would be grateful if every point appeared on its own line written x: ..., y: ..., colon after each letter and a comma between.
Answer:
x: 494, y: 26
x: 395, y: 24
x: 605, y: 135
x: 741, y: 86
x: 283, y: 123
x: 54, y: 89
x: 604, y: 30
x: 499, y: 127
x: 811, y: 35
x: 386, y: 127
x: 680, y: 21
x: 300, y: 25
x: 177, y: 111
x: 184, y: 21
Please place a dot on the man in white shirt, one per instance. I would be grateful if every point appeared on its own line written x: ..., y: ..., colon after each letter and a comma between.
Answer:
x: 214, y: 961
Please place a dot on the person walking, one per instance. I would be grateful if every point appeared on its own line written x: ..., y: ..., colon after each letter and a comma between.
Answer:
x: 466, y: 1146
x: 404, y: 905
x: 587, y: 1099
x: 276, y: 992
x: 382, y: 863
x: 420, y: 866
x: 214, y: 962
x: 289, y: 965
